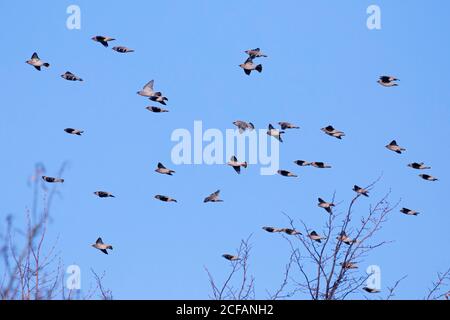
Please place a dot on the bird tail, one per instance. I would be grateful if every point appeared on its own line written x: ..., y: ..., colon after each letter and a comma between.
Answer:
x: 109, y: 247
x: 130, y: 50
x: 46, y: 64
x: 62, y: 180
x: 244, y: 164
x: 427, y: 168
x: 258, y: 68
x: 79, y: 133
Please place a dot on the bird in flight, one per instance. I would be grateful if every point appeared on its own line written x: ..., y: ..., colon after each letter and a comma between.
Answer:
x: 291, y: 232
x: 103, y: 40
x: 255, y: 53
x: 156, y: 109
x: 286, y: 173
x: 428, y: 177
x: 326, y: 205
x: 36, y: 62
x: 345, y: 239
x: 331, y: 131
x: 360, y: 190
x: 320, y: 165
x: 213, y: 197
x: 230, y: 257
x: 74, y: 131
x: 316, y: 237
x: 70, y: 76
x: 122, y: 49
x: 393, y: 146
x: 103, y: 194
x: 371, y: 290
x: 163, y: 170
x: 409, y: 212
x: 249, y: 66
x: 418, y: 166
x: 272, y: 229
x: 287, y: 125
x: 388, y: 81
x: 349, y: 265
x: 302, y: 163
x: 236, y: 164
x: 242, y: 125
x: 52, y: 179
x: 102, y: 246
x: 165, y: 198
x: 275, y: 133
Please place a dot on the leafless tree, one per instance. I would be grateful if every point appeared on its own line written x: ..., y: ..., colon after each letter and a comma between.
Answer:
x: 33, y: 270
x: 236, y: 288
x: 437, y: 290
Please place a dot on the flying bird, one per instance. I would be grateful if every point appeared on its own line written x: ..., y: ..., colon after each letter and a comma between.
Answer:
x: 230, y: 257
x: 236, y: 164
x: 388, y: 81
x: 158, y: 97
x: 360, y: 190
x: 275, y: 133
x: 213, y: 197
x: 52, y: 180
x: 393, y: 146
x: 147, y: 90
x: 103, y: 194
x: 242, y: 125
x: 102, y: 246
x: 255, y: 53
x: 74, y: 131
x: 287, y: 125
x: 316, y: 237
x: 163, y: 170
x: 345, y: 239
x: 36, y: 62
x: 286, y: 173
x: 165, y: 198
x: 428, y: 177
x: 122, y: 49
x: 409, y: 212
x: 272, y: 229
x: 302, y: 163
x: 70, y: 76
x: 291, y: 232
x: 249, y: 66
x: 156, y: 109
x: 103, y: 40
x: 333, y: 132
x: 349, y: 265
x: 418, y: 166
x: 320, y: 165
x: 371, y: 290
x: 326, y: 205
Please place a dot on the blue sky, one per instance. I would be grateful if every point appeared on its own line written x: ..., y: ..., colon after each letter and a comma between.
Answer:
x: 322, y: 69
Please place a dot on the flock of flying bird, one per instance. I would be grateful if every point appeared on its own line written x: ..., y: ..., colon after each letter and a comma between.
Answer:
x: 248, y: 66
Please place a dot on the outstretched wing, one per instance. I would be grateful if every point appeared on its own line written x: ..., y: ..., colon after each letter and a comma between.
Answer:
x: 149, y: 85
x: 99, y: 241
x: 161, y: 166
